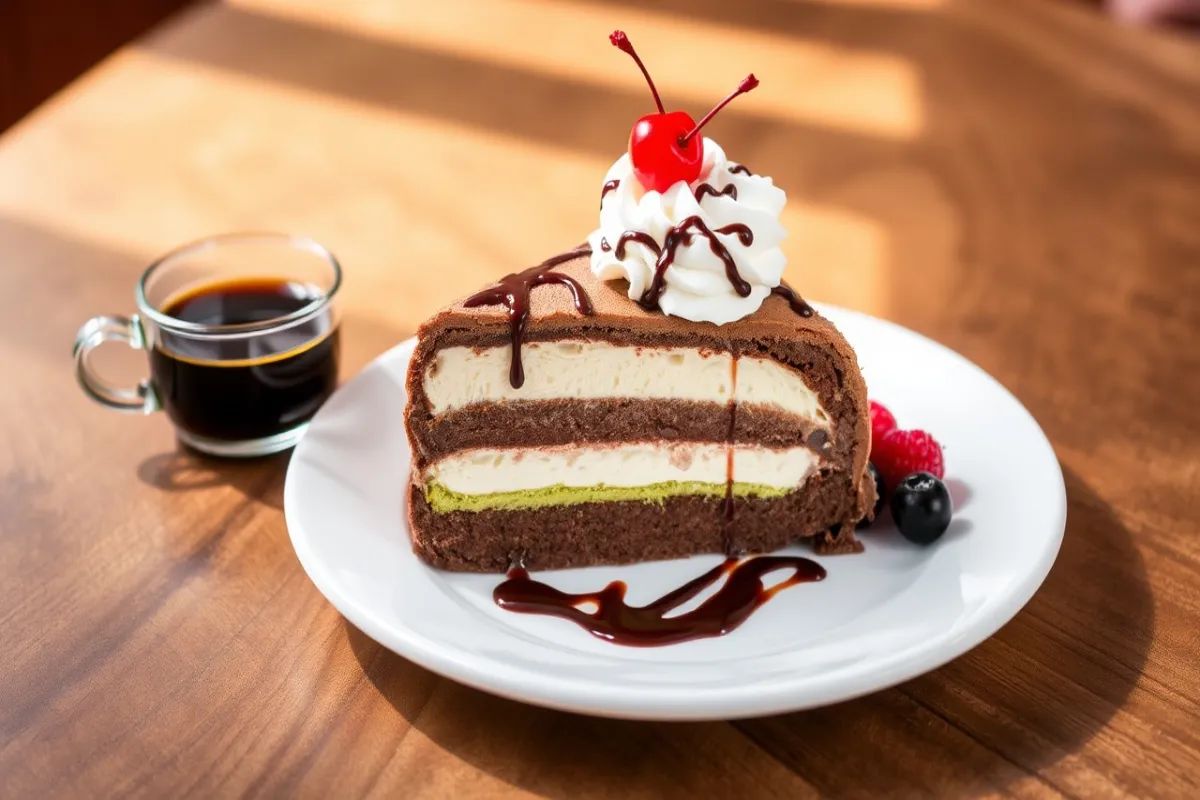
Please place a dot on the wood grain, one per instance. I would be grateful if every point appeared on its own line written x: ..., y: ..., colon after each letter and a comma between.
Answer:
x: 1018, y: 180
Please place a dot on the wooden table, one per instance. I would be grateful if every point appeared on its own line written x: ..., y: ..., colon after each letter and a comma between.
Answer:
x: 1019, y: 180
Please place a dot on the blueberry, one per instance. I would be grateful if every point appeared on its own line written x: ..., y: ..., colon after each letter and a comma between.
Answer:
x: 880, y: 494
x: 921, y: 508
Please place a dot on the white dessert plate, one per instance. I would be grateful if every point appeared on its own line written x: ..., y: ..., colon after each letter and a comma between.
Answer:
x: 879, y: 618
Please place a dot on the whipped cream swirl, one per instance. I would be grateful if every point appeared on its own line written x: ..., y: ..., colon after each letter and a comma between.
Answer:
x: 697, y: 285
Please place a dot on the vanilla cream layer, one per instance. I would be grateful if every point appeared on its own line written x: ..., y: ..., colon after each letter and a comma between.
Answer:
x: 488, y: 470
x: 577, y: 370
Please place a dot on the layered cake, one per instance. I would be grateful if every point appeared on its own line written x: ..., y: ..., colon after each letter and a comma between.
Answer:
x: 654, y: 393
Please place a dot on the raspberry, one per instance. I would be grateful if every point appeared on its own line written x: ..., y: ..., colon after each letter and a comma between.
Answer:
x: 882, y: 422
x: 900, y: 453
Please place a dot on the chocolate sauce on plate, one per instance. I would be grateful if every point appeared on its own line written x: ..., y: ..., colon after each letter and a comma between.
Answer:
x: 649, y: 626
x: 513, y: 291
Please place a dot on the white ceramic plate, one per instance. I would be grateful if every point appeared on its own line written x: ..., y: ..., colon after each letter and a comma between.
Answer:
x: 879, y: 618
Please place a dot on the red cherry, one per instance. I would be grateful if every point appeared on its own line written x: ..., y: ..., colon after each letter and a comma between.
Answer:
x: 659, y: 159
x: 664, y: 147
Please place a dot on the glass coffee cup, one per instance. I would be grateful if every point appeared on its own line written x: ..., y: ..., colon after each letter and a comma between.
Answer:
x: 242, y: 333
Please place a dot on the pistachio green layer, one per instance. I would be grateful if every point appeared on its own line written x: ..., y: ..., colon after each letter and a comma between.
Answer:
x: 443, y: 500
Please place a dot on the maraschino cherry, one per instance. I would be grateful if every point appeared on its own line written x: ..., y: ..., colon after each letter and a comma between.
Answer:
x: 664, y: 148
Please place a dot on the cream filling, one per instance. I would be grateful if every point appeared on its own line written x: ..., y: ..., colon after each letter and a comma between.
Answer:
x: 492, y: 470
x: 578, y: 370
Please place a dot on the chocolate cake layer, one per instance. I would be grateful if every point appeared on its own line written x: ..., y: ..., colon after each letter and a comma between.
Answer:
x: 589, y: 534
x: 560, y: 422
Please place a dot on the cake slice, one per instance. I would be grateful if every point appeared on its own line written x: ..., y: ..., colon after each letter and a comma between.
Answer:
x: 656, y: 393
x: 583, y: 429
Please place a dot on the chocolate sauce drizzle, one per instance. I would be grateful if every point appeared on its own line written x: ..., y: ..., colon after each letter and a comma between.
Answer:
x: 512, y: 292
x: 740, y: 168
x: 794, y: 300
x: 630, y: 236
x: 703, y: 189
x: 608, y: 187
x: 637, y: 237
x: 682, y: 234
x: 649, y: 626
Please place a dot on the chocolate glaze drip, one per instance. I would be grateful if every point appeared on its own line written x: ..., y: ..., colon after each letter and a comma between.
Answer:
x: 740, y: 168
x: 608, y: 187
x: 605, y: 247
x: 512, y: 291
x: 649, y: 626
x: 682, y: 234
x: 794, y: 300
x: 637, y: 237
x: 707, y: 188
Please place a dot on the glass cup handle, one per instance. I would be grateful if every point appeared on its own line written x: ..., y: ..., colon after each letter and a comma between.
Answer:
x: 95, y: 332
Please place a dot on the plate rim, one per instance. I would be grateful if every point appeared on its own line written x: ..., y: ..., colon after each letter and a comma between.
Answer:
x: 646, y: 703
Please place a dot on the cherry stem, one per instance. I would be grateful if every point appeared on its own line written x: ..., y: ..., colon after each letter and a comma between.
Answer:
x: 748, y: 83
x: 621, y: 42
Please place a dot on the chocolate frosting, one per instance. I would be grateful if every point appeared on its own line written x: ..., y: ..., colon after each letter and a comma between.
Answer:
x: 552, y: 311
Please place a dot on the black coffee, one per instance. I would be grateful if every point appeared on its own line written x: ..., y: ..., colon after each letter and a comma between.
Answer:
x: 245, y: 387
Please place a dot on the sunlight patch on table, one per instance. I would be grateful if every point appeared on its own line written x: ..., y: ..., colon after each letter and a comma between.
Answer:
x: 902, y: 5
x: 694, y: 62
x: 203, y: 151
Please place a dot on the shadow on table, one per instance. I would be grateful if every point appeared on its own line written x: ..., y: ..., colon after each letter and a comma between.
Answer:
x: 1025, y: 699
x: 1033, y: 694
x: 185, y: 469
